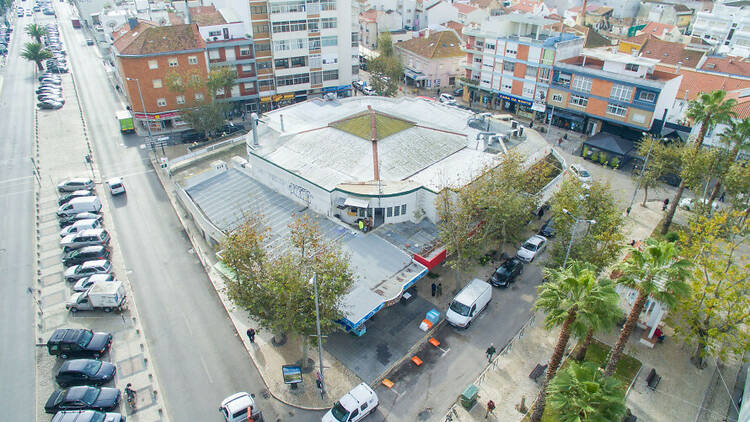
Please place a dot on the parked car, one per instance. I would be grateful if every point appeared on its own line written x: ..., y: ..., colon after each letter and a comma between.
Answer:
x: 87, y: 415
x: 49, y: 105
x: 88, y: 268
x: 85, y: 238
x: 49, y: 90
x: 532, y: 248
x: 89, y: 41
x: 354, y: 405
x: 66, y: 221
x: 506, y: 273
x: 58, y: 69
x: 83, y: 284
x: 548, y: 229
x: 193, y: 136
x: 49, y: 76
x: 79, y: 205
x: 234, y: 408
x: 447, y: 99
x: 71, y: 185
x: 116, y: 186
x: 78, y: 342
x: 51, y: 97
x: 75, y: 194
x: 82, y: 398
x: 581, y: 174
x: 81, y: 225
x: 227, y: 129
x: 458, y: 92
x: 369, y: 91
x: 690, y: 204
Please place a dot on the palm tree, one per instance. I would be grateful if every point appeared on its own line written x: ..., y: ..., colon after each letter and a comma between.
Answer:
x: 736, y: 138
x: 36, y: 31
x: 572, y: 297
x: 654, y: 271
x: 710, y: 110
x: 604, y: 322
x: 34, y: 52
x: 580, y: 393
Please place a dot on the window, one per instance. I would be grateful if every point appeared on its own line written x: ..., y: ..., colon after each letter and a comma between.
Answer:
x: 581, y: 83
x: 316, y: 78
x: 265, y: 83
x: 631, y: 67
x: 264, y: 65
x: 258, y: 10
x: 263, y: 46
x: 389, y: 212
x: 328, y: 23
x: 403, y: 209
x: 616, y: 110
x: 327, y: 5
x: 479, y: 44
x: 260, y: 28
x: 563, y: 79
x: 511, y: 50
x: 196, y: 79
x: 314, y: 43
x: 507, y: 86
x: 528, y: 92
x: 153, y: 64
x: 281, y: 63
x: 219, y: 91
x: 298, y: 61
x: 288, y: 6
x: 313, y: 25
x: 489, y: 46
x: 213, y: 54
x: 329, y: 41
x: 214, y: 33
x: 509, y: 66
x: 396, y: 211
x: 282, y: 45
x: 282, y: 26
x: 157, y: 83
x: 298, y: 26
x: 621, y: 92
x: 544, y: 74
x: 579, y: 101
x: 199, y: 96
x: 647, y: 96
x: 330, y: 75
x: 330, y: 59
x: 557, y: 98
x: 531, y: 72
x: 316, y: 61
x: 173, y: 62
x: 180, y: 99
x: 192, y: 59
x: 161, y: 102
x: 244, y: 51
x: 247, y: 68
x: 248, y: 86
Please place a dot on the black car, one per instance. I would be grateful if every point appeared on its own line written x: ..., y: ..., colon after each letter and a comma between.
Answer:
x: 506, y: 273
x: 77, y: 342
x: 193, y: 136
x: 458, y: 92
x: 49, y: 105
x: 82, y: 398
x: 85, y: 372
x: 548, y: 228
x: 58, y: 69
x: 88, y: 253
x: 87, y: 416
x: 227, y: 129
x: 51, y: 96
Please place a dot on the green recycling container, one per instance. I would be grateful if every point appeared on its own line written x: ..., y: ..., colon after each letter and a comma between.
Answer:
x: 469, y: 396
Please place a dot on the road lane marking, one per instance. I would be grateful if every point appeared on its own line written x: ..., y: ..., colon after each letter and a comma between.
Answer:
x: 187, y: 323
x: 15, y: 179
x: 17, y: 193
x: 205, y: 368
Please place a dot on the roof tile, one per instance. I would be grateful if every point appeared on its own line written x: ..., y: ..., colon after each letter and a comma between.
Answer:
x: 671, y: 53
x: 145, y: 40
x: 437, y: 45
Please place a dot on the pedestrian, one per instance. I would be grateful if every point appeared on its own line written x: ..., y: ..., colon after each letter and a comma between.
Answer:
x: 361, y: 225
x: 434, y: 288
x: 721, y: 198
x: 251, y: 334
x: 531, y: 124
x: 559, y: 142
x: 440, y: 289
x: 490, y: 408
x: 490, y: 352
x: 666, y: 204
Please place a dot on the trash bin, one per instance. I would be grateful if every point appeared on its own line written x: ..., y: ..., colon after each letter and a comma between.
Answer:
x: 469, y: 396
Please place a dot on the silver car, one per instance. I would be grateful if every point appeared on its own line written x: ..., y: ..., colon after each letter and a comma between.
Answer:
x: 71, y: 185
x: 88, y: 268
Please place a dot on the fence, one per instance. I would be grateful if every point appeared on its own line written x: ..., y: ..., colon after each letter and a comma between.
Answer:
x: 175, y: 161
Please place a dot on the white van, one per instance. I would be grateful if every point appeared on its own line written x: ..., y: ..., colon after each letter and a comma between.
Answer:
x: 234, y: 408
x: 468, y: 303
x: 354, y: 406
x: 447, y: 99
x: 80, y: 204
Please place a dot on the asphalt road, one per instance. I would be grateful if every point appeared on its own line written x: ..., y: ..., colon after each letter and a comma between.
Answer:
x: 198, y: 358
x: 16, y: 245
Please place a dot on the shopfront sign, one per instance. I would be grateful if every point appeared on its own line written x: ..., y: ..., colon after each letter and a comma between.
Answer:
x: 514, y: 99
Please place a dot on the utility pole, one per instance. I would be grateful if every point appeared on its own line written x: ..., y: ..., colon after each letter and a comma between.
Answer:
x: 148, y: 123
x: 573, y: 233
x: 322, y: 385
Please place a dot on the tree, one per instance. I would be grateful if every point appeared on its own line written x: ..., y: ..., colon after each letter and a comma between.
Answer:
x: 386, y: 69
x: 275, y: 289
x: 663, y: 159
x: 598, y: 244
x: 714, y: 317
x: 572, y: 297
x: 205, y: 115
x: 36, y: 31
x: 655, y: 271
x: 710, y: 110
x: 34, y: 52
x: 736, y: 138
x: 580, y: 393
x: 222, y: 78
x: 457, y: 230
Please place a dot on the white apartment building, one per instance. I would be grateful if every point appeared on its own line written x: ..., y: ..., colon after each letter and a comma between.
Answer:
x: 728, y: 24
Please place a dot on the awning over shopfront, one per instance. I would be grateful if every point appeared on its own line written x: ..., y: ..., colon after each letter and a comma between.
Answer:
x: 610, y: 143
x: 417, y: 76
x: 570, y: 116
x: 354, y: 202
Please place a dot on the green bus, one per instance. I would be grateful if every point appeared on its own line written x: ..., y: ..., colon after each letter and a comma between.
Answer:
x: 126, y: 121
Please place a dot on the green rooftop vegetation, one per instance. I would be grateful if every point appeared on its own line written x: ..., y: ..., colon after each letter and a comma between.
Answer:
x: 359, y: 125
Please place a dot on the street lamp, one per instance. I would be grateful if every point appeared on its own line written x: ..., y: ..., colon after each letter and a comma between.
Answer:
x: 143, y: 105
x: 322, y: 386
x: 573, y: 232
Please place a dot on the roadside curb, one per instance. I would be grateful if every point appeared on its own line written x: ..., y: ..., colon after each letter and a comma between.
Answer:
x: 408, y: 354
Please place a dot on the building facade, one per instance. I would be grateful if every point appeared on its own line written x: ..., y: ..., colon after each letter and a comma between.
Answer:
x: 509, y: 62
x: 678, y: 15
x: 727, y: 25
x: 589, y: 92
x: 432, y: 60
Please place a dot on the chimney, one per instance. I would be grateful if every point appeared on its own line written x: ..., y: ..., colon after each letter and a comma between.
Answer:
x: 374, y: 138
x: 188, y: 18
x: 132, y: 22
x: 254, y: 125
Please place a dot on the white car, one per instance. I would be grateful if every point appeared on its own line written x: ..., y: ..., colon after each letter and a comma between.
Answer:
x: 83, y: 284
x: 115, y: 186
x: 76, y: 272
x: 690, y: 203
x: 531, y: 248
x: 80, y: 225
x: 75, y: 184
x: 581, y: 174
x: 354, y: 406
x: 234, y: 408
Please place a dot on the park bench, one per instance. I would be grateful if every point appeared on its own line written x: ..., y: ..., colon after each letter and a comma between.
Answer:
x: 538, y: 371
x: 653, y: 379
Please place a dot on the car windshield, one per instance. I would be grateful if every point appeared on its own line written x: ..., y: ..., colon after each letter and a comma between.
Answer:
x: 116, y: 185
x: 503, y: 270
x: 584, y: 173
x: 459, y: 308
x: 92, y: 367
x: 529, y: 246
x: 85, y: 338
x: 339, y: 412
x: 90, y: 396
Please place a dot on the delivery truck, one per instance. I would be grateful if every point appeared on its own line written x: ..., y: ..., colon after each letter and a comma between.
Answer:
x: 105, y: 296
x: 126, y: 121
x: 76, y: 23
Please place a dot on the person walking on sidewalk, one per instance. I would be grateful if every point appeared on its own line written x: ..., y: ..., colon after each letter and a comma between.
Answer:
x: 439, y: 289
x: 434, y: 288
x: 490, y: 408
x: 251, y: 334
x: 666, y: 204
x: 490, y: 352
x: 559, y: 141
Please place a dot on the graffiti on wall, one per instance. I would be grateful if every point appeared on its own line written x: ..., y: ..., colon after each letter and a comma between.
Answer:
x: 300, y: 193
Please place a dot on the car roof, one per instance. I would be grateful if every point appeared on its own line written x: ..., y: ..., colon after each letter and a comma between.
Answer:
x: 77, y: 393
x: 79, y: 179
x: 362, y: 392
x: 237, y: 402
x: 90, y: 232
x: 536, y: 239
x: 75, y: 364
x: 74, y: 416
x: 95, y: 263
x: 86, y: 222
x: 92, y: 248
x: 65, y: 334
x: 114, y: 180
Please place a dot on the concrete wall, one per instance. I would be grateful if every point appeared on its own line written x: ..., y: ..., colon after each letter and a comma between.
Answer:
x: 667, y: 97
x: 411, y: 200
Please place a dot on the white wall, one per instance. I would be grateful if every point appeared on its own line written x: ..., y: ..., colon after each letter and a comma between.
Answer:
x: 289, y: 185
x: 441, y: 13
x: 666, y: 97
